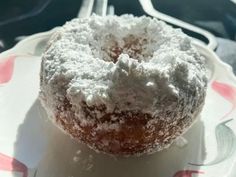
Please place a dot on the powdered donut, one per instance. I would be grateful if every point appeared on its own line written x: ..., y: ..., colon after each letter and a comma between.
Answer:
x: 122, y: 84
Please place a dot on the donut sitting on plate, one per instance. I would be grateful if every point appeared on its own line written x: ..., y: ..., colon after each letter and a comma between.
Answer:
x: 122, y: 84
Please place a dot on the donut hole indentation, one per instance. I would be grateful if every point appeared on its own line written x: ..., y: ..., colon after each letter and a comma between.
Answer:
x: 134, y: 46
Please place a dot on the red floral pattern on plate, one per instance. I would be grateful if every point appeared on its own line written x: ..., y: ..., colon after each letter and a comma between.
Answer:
x: 11, y: 164
x: 6, y: 69
x: 187, y: 173
x: 228, y: 92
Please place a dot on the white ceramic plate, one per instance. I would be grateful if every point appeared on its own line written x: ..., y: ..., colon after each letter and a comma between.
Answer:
x: 31, y: 146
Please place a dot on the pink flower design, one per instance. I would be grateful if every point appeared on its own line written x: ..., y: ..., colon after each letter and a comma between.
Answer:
x: 11, y: 164
x: 226, y: 91
x: 187, y: 173
x: 6, y: 69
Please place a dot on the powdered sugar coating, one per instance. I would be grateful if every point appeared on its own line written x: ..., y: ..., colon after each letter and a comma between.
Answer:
x: 124, y: 64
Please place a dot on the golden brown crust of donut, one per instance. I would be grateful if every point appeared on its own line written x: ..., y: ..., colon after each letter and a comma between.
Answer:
x: 135, y: 134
